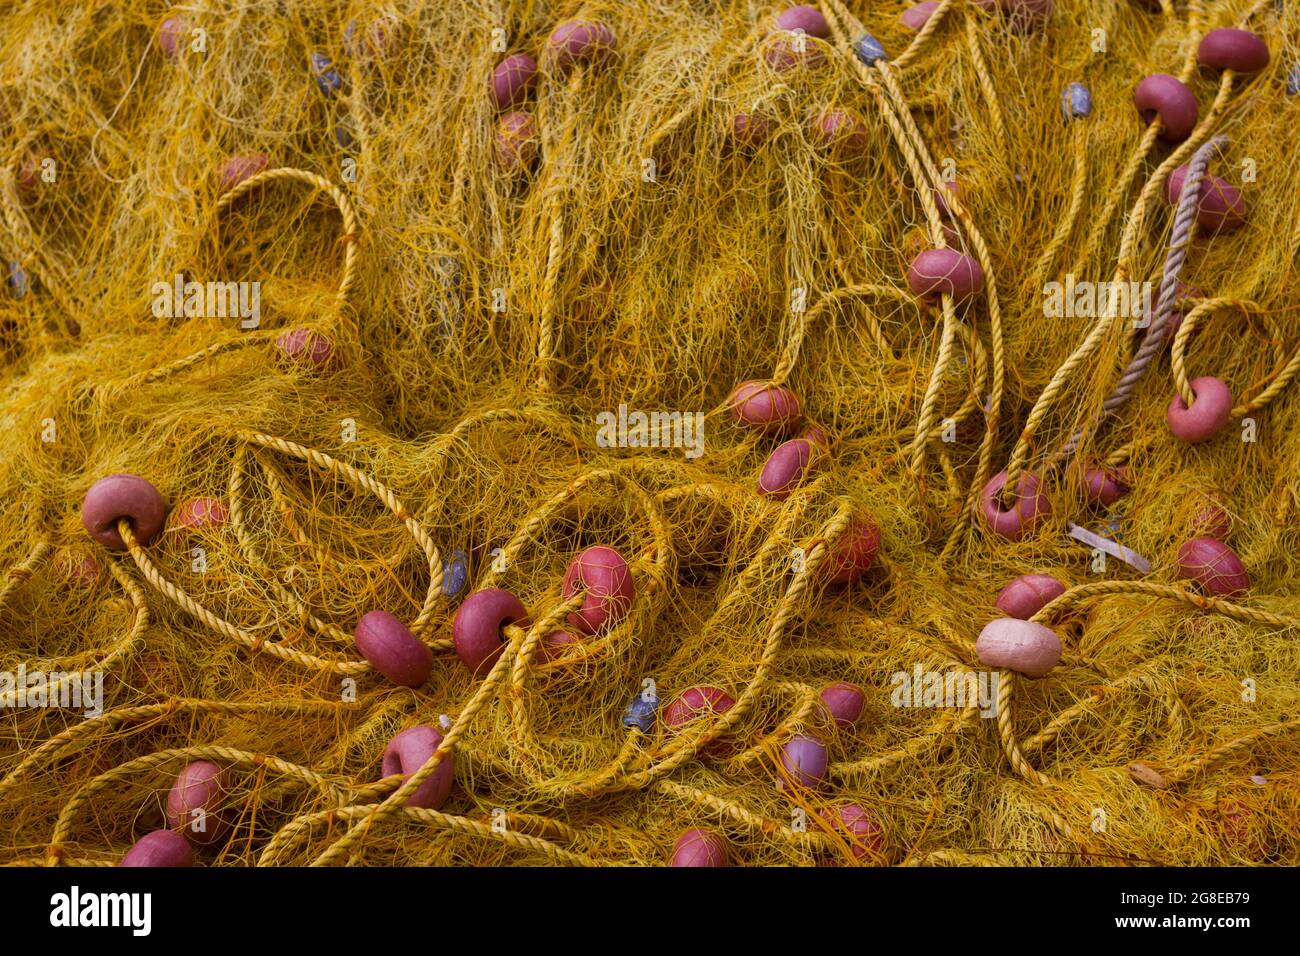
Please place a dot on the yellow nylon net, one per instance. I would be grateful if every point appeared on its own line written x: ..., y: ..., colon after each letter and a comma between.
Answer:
x: 487, y: 330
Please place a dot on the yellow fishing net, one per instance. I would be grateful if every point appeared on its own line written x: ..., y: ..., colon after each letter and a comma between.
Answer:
x: 491, y: 304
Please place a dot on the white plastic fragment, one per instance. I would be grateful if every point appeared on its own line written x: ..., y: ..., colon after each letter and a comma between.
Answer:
x: 1113, y: 548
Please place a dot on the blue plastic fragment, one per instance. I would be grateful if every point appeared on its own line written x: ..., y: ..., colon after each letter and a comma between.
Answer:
x: 868, y: 49
x: 1076, y: 101
x: 343, y: 134
x: 327, y: 78
x: 641, y: 712
x: 19, y: 284
x: 1293, y: 81
x: 455, y: 572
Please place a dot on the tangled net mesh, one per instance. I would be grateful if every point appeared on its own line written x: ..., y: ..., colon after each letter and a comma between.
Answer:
x: 480, y: 322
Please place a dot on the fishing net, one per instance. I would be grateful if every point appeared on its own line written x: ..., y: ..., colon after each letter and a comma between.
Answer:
x: 459, y: 323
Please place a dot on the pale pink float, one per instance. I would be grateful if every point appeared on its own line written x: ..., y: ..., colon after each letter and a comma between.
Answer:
x: 1022, y: 646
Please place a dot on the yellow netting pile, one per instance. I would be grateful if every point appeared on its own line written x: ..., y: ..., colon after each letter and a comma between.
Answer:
x: 492, y: 296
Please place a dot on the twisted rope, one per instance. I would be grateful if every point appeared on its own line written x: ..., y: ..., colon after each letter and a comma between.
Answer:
x: 349, y: 237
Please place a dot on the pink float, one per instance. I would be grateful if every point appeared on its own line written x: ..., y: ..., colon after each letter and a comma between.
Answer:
x: 393, y: 650
x: 239, y: 168
x: 697, y: 702
x: 605, y: 576
x: 764, y: 405
x: 171, y: 35
x: 803, y: 763
x: 844, y: 702
x: 303, y: 346
x: 1030, y: 507
x: 476, y: 632
x: 1214, y: 566
x: 806, y: 18
x: 512, y: 80
x: 752, y: 129
x: 581, y: 42
x: 1028, y: 594
x: 700, y: 848
x: 161, y: 848
x: 1219, y: 206
x: 857, y: 826
x: 194, y: 803
x: 1230, y: 49
x: 201, y: 514
x: 785, y: 468
x: 1167, y: 97
x: 410, y: 750
x: 1102, y: 486
x: 839, y: 129
x: 916, y: 17
x: 855, y: 553
x: 945, y: 272
x: 122, y: 496
x: 516, y: 142
x: 1208, y: 414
